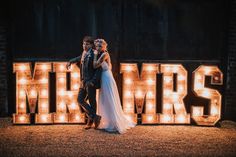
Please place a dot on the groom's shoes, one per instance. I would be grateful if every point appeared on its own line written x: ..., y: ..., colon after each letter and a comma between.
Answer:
x: 89, y: 124
x: 97, y: 120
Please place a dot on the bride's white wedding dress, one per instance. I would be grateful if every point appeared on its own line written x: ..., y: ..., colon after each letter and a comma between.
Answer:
x: 109, y: 105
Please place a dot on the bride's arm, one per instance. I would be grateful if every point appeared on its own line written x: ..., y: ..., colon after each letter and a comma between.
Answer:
x: 109, y: 61
x: 97, y: 62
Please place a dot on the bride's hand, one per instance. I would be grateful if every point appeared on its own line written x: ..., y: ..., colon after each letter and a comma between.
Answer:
x: 95, y: 52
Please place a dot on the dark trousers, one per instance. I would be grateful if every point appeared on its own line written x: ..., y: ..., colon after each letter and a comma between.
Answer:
x: 90, y: 108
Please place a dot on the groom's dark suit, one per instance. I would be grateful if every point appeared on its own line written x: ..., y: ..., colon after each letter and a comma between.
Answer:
x: 90, y: 81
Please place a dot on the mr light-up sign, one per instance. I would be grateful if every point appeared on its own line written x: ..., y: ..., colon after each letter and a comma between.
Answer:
x: 137, y: 90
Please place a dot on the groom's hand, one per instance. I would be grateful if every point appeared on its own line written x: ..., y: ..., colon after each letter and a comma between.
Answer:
x: 89, y: 84
x: 68, y: 65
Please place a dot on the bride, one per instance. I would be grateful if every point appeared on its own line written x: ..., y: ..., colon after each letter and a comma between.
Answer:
x: 109, y: 105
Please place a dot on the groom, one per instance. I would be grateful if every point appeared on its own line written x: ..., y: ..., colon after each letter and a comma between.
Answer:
x: 90, y: 81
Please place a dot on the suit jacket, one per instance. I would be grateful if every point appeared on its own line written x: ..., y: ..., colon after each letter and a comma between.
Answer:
x: 87, y: 72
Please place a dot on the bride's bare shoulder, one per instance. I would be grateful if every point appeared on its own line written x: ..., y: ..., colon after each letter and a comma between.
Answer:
x: 106, y: 54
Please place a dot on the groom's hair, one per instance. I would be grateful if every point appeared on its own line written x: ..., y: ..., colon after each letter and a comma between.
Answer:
x: 88, y: 39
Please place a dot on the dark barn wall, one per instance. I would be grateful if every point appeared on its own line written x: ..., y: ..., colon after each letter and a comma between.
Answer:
x: 189, y: 31
x: 3, y: 59
x: 134, y: 29
x: 230, y: 97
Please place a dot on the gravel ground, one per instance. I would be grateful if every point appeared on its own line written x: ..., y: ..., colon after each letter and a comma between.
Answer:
x: 143, y: 140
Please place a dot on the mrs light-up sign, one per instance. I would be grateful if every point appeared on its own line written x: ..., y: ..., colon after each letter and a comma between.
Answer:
x: 138, y: 90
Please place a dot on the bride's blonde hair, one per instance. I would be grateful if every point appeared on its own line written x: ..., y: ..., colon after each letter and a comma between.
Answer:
x: 104, y: 43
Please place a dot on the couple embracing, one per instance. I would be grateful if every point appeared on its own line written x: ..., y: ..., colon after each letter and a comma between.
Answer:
x: 95, y: 73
